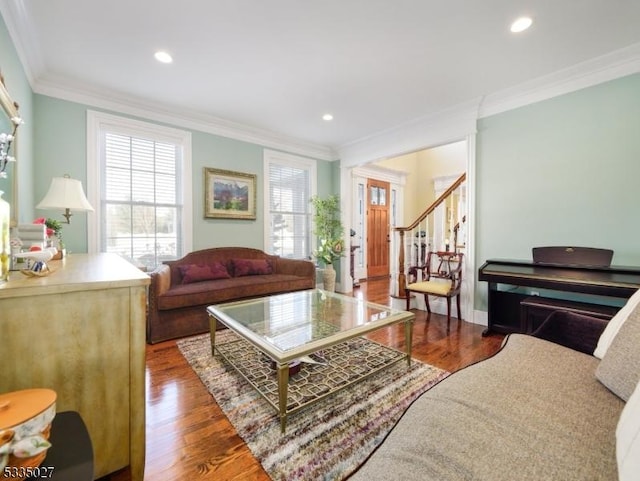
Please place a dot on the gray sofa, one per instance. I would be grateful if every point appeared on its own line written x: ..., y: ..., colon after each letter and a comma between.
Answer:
x: 538, y: 409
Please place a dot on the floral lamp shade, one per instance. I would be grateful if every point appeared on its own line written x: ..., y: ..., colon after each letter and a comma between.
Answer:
x: 65, y: 193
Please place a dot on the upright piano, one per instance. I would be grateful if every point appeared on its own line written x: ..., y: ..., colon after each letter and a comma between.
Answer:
x: 517, y: 302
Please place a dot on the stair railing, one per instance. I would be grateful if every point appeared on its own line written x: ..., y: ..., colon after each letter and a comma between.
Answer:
x: 412, y: 243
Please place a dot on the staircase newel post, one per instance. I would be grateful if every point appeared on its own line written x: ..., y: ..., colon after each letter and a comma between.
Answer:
x: 402, y: 279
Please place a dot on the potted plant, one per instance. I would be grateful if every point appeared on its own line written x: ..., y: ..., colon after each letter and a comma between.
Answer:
x: 54, y: 234
x: 329, y: 230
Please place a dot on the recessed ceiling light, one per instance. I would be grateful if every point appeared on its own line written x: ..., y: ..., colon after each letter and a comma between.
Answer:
x: 163, y: 57
x: 327, y: 117
x: 521, y: 24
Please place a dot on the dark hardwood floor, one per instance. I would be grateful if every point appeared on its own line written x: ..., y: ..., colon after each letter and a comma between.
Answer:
x: 188, y: 437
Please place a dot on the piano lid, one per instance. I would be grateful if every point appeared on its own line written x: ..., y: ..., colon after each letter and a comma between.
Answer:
x: 572, y: 256
x: 612, y: 281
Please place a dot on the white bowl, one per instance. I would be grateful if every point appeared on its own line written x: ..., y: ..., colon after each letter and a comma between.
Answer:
x: 43, y: 256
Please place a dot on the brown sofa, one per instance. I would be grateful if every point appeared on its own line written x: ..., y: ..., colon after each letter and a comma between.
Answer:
x: 181, y: 290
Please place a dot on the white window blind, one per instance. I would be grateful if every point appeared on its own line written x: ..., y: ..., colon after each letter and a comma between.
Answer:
x: 141, y: 198
x: 289, y: 214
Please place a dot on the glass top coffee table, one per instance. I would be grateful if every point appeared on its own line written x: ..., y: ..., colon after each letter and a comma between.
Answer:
x: 290, y: 328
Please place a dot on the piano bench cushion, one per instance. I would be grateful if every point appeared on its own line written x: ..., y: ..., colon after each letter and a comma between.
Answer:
x: 614, y: 325
x: 619, y: 369
x: 570, y: 329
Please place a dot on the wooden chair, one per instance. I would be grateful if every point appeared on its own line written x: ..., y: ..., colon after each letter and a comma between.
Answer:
x: 441, y: 277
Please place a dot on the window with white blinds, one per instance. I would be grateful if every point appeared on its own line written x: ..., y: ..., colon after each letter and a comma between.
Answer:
x: 290, y: 183
x: 141, y: 194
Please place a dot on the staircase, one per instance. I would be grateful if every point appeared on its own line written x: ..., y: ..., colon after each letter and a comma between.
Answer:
x: 441, y: 227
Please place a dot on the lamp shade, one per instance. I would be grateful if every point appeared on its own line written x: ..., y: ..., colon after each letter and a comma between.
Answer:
x: 65, y: 193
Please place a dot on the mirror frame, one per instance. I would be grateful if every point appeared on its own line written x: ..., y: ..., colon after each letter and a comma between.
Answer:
x: 10, y: 107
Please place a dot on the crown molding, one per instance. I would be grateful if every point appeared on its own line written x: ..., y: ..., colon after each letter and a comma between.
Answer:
x: 616, y: 64
x: 24, y: 38
x: 443, y: 127
x: 66, y: 89
x: 457, y: 122
x: 398, y: 177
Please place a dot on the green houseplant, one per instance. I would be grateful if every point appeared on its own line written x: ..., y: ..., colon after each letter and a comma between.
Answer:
x: 329, y: 229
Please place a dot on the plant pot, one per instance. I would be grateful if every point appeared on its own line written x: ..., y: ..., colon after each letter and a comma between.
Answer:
x: 329, y: 278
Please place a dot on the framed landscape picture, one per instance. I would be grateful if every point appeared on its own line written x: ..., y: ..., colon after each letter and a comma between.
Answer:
x: 229, y: 195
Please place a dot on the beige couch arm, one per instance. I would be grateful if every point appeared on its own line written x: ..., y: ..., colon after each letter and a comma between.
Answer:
x: 296, y: 267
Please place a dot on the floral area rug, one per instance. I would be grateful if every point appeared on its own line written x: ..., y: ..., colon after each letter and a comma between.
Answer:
x: 323, y: 441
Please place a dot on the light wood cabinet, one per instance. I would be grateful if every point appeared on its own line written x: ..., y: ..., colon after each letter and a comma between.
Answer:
x: 81, y: 332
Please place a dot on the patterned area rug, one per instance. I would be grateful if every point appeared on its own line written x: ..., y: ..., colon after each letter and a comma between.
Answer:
x: 324, y: 441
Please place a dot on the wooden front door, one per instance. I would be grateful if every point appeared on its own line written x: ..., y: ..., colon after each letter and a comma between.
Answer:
x: 378, y: 200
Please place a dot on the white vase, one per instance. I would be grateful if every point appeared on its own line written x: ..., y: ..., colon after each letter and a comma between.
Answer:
x: 329, y: 278
x: 5, y: 246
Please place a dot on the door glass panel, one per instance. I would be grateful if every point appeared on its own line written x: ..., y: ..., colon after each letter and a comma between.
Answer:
x: 382, y: 196
x: 373, y: 196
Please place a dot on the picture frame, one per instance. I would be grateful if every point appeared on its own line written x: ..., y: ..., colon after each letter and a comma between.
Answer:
x: 229, y: 195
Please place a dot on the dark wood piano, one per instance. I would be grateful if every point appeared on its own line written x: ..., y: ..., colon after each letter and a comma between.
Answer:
x: 522, y: 293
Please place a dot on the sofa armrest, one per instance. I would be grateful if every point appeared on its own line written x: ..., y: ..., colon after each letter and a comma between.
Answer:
x: 296, y: 267
x: 576, y: 331
x: 160, y: 280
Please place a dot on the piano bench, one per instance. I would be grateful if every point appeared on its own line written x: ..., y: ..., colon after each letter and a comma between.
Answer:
x: 535, y: 309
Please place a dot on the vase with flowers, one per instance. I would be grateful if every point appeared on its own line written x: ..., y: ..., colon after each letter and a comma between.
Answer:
x: 329, y: 229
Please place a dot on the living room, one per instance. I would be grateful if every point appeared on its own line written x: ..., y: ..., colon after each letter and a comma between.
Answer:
x: 553, y: 160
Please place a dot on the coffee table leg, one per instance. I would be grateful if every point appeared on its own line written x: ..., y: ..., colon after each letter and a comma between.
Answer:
x: 408, y: 336
x: 283, y: 385
x: 212, y: 329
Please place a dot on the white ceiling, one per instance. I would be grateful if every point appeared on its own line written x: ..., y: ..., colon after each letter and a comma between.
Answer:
x: 276, y: 66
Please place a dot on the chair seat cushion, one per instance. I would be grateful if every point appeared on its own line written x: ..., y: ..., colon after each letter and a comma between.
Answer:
x: 438, y: 288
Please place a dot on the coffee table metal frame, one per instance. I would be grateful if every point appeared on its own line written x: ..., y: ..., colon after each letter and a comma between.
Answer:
x: 282, y: 358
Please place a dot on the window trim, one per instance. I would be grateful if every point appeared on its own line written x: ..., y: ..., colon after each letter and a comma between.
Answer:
x: 98, y: 121
x: 281, y: 158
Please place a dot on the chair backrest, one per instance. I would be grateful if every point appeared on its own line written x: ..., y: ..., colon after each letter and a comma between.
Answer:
x: 445, y: 265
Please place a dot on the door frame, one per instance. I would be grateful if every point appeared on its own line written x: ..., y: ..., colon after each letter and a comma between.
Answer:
x: 349, y: 185
x: 346, y: 190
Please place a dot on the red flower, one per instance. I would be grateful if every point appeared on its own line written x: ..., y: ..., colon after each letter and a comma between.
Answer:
x: 43, y: 220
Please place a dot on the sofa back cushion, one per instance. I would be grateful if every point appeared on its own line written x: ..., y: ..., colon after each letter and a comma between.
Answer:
x: 619, y: 369
x: 251, y: 267
x: 203, y: 272
x: 214, y: 254
x: 614, y: 325
x: 628, y: 439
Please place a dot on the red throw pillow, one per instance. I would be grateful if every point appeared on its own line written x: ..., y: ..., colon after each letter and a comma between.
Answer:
x: 251, y: 267
x: 203, y: 272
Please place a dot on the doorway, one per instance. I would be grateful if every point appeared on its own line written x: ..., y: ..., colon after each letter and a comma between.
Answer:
x: 378, y: 228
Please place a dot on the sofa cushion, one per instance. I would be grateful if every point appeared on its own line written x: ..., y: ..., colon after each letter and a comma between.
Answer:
x: 203, y: 272
x: 614, y: 325
x: 251, y: 267
x: 628, y: 438
x: 619, y: 369
x: 224, y: 290
x: 533, y: 411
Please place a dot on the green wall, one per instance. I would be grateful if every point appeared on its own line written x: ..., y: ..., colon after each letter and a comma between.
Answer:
x: 563, y: 171
x: 18, y: 86
x: 60, y: 141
